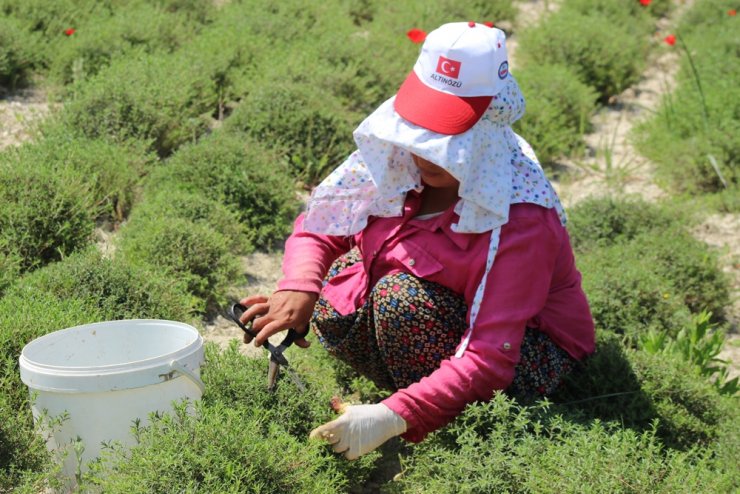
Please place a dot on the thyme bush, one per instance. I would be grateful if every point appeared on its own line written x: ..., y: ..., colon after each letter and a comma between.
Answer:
x: 242, y: 174
x: 155, y: 99
x: 188, y: 251
x: 114, y: 288
x: 107, y: 36
x: 111, y: 172
x: 654, y: 282
x: 45, y: 212
x: 200, y: 209
x: 504, y: 447
x: 604, y: 55
x: 601, y: 222
x: 17, y: 55
x: 241, y: 437
x: 312, y: 131
x: 558, y: 110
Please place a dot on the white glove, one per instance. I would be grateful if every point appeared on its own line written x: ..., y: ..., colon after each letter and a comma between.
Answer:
x: 360, y: 429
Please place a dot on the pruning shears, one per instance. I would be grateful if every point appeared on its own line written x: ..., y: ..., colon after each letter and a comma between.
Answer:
x: 277, y: 358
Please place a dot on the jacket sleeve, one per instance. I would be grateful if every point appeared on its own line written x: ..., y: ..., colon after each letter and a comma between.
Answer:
x: 516, y: 290
x: 308, y: 257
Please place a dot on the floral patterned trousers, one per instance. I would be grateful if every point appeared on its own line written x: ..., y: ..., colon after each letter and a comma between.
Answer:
x: 409, y: 325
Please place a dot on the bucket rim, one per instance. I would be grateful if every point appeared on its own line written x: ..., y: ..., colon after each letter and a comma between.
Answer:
x: 55, y: 377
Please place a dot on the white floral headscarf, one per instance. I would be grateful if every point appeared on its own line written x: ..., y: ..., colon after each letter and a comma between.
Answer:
x: 495, y: 168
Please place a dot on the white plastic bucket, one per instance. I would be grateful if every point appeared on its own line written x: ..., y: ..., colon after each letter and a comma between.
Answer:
x: 105, y: 376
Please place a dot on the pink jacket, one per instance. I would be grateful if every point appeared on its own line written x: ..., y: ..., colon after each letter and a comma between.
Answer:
x: 533, y: 283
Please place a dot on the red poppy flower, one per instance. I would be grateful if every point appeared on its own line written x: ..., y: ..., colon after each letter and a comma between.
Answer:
x: 670, y: 39
x: 489, y: 24
x: 69, y: 32
x: 645, y: 3
x: 732, y: 12
x: 416, y: 35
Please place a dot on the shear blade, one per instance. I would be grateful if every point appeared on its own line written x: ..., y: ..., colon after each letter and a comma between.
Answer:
x: 273, y: 371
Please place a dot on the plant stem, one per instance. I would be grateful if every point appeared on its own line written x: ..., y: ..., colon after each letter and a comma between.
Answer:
x: 697, y: 79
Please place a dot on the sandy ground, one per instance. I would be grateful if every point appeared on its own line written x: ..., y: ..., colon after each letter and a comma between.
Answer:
x: 18, y: 112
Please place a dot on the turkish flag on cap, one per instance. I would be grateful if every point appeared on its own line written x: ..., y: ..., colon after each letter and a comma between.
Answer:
x: 447, y: 67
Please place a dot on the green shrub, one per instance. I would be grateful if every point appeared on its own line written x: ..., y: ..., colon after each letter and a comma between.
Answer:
x: 115, y: 289
x: 605, y: 56
x: 695, y: 136
x: 111, y: 172
x: 10, y: 266
x: 232, y: 379
x: 242, y: 437
x: 690, y: 266
x: 240, y: 173
x: 705, y: 16
x: 51, y: 19
x: 219, y: 449
x: 139, y: 26
x: 200, y: 11
x: 600, y: 222
x: 226, y: 55
x: 627, y: 296
x: 311, y: 130
x: 648, y: 274
x: 631, y: 15
x: 559, y: 107
x: 636, y: 389
x: 153, y: 98
x: 190, y: 252
x: 45, y: 213
x: 17, y: 54
x: 198, y: 208
x: 689, y: 409
x: 501, y: 447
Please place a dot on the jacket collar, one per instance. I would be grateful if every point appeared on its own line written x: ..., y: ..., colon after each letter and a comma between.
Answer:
x: 442, y: 222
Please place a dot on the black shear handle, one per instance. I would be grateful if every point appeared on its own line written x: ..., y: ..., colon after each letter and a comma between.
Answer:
x: 237, y: 309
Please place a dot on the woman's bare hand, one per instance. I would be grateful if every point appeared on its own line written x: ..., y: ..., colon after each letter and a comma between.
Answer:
x: 283, y: 310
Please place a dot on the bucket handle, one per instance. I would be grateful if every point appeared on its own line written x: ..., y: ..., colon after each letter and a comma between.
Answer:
x: 177, y: 366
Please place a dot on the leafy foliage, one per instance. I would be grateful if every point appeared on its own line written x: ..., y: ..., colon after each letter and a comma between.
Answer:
x: 191, y: 252
x: 693, y: 138
x: 650, y: 284
x: 45, y: 213
x: 117, y: 289
x: 241, y: 437
x: 558, y: 110
x: 310, y: 130
x: 238, y: 172
x: 637, y: 389
x: 699, y: 344
x: 502, y: 447
x: 154, y: 99
x: 601, y: 222
x: 111, y: 172
x: 198, y: 208
x: 17, y: 55
x: 604, y: 55
x: 110, y: 35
